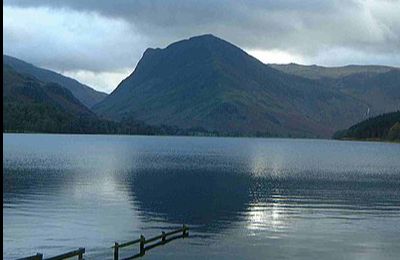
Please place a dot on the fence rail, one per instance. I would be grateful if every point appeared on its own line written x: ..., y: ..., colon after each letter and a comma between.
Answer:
x: 38, y: 256
x: 79, y: 253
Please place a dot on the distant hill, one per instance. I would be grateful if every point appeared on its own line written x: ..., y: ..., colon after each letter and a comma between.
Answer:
x: 31, y: 105
x: 210, y: 83
x: 380, y: 91
x: 377, y: 87
x: 382, y: 127
x: 320, y: 72
x: 83, y: 93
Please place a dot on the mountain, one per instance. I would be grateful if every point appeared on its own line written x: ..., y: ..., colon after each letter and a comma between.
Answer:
x: 83, y: 93
x: 207, y: 82
x: 382, y: 127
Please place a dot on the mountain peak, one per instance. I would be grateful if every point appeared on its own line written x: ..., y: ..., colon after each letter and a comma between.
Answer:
x: 204, y: 40
x: 194, y: 41
x: 204, y: 36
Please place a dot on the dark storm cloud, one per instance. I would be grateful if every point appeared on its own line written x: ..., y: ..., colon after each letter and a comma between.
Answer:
x: 250, y: 23
x: 304, y: 26
x: 312, y: 29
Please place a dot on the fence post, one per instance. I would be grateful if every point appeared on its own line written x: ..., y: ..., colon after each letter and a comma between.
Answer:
x: 163, y: 237
x: 184, y: 231
x: 81, y: 252
x: 142, y: 240
x: 116, y: 249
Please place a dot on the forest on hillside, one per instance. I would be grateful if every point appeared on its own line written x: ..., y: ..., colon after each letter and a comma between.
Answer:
x: 382, y: 127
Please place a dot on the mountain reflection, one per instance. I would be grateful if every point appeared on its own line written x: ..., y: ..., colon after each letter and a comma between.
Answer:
x: 217, y: 200
x: 207, y: 199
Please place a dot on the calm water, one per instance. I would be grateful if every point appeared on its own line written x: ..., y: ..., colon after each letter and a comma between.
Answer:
x: 243, y: 198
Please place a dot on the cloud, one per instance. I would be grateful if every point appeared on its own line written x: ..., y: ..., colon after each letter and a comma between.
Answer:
x: 301, y: 25
x: 103, y: 36
x: 70, y: 40
x: 106, y: 81
x: 275, y: 56
x: 340, y: 56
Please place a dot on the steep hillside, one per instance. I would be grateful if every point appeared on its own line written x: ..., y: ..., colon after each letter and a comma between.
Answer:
x: 207, y: 82
x: 83, y: 93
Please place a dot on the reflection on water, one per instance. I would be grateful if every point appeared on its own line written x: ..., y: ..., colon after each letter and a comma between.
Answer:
x: 243, y: 198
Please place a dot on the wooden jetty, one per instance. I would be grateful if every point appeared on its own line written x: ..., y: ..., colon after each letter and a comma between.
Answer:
x: 151, y: 243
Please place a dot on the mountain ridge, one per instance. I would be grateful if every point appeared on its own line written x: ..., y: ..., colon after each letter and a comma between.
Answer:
x: 32, y: 105
x: 87, y: 95
x: 318, y: 72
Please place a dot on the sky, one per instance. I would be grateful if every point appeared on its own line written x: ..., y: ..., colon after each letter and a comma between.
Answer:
x: 99, y: 42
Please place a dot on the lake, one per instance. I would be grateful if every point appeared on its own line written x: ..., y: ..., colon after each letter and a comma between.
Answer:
x: 243, y: 198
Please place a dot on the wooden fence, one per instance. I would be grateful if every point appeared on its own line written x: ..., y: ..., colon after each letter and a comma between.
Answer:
x: 159, y: 240
x: 162, y: 240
